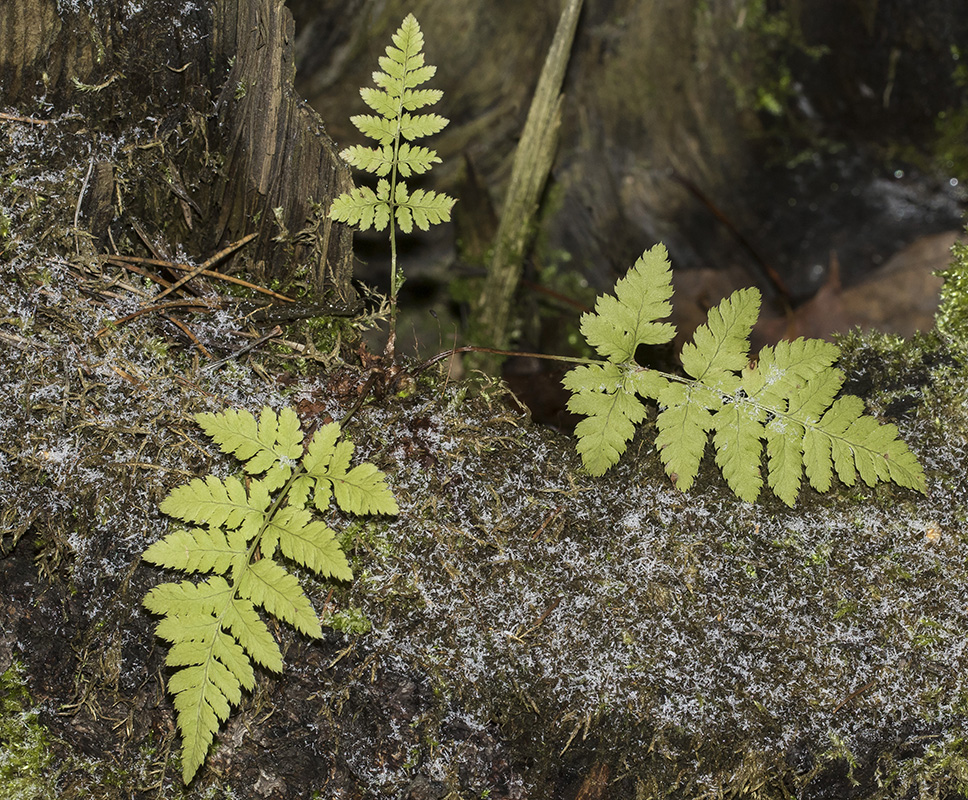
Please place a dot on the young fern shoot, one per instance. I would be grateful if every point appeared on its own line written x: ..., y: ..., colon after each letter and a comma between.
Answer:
x: 785, y: 397
x: 242, y: 535
x: 394, y: 157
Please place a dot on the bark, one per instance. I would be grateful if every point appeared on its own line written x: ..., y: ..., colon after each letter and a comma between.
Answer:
x: 257, y: 164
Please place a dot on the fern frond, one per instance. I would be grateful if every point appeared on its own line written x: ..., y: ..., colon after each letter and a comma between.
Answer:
x: 786, y: 397
x: 403, y: 70
x: 416, y: 161
x: 418, y: 98
x: 361, y: 490
x: 721, y: 346
x: 267, y: 584
x: 198, y: 550
x: 213, y: 626
x: 314, y: 545
x: 394, y: 99
x: 737, y: 430
x: 422, y: 207
x: 275, y: 442
x: 861, y: 445
x: 218, y: 502
x: 601, y: 393
x: 381, y: 129
x: 683, y: 427
x: 248, y: 628
x: 420, y: 125
x: 410, y: 160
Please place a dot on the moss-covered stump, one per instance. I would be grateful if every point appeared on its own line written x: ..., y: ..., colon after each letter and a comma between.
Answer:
x: 521, y: 630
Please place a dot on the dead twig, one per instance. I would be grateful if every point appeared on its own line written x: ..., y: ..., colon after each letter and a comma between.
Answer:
x: 188, y: 332
x: 276, y: 331
x: 196, y: 303
x: 129, y: 262
x: 196, y: 271
x: 27, y: 120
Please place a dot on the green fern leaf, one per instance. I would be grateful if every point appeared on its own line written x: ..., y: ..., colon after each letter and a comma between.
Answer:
x: 185, y: 599
x: 621, y: 323
x: 860, y: 445
x: 363, y: 207
x: 198, y: 550
x: 396, y: 96
x: 683, y: 428
x: 416, y: 161
x: 269, y: 446
x: 784, y: 450
x: 215, y: 631
x: 410, y: 160
x: 418, y: 74
x: 384, y: 103
x: 421, y: 207
x: 247, y: 627
x: 260, y: 445
x: 418, y: 98
x: 201, y: 705
x: 267, y: 584
x: 314, y: 545
x: 738, y: 427
x: 781, y: 372
x: 786, y: 397
x: 409, y: 41
x: 369, y: 159
x: 421, y: 125
x: 605, y: 394
x: 380, y: 128
x: 361, y: 490
x: 721, y: 346
x: 218, y: 502
x: 320, y: 450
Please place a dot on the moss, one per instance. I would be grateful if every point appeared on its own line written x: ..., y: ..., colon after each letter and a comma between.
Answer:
x: 952, y: 317
x: 25, y: 758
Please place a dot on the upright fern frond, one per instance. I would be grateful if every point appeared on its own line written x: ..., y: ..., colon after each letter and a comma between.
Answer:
x: 214, y: 627
x: 785, y: 398
x: 395, y: 127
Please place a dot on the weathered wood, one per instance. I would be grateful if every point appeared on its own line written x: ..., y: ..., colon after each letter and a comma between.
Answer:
x: 532, y: 165
x: 240, y: 152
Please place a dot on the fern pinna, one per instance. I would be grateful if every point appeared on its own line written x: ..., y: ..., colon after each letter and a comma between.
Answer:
x: 215, y: 631
x: 785, y: 397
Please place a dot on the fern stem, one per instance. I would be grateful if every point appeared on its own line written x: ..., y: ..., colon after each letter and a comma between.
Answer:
x: 394, y: 273
x: 473, y: 348
x: 394, y: 288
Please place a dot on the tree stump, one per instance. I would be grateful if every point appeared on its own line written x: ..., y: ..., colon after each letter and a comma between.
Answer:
x: 237, y: 151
